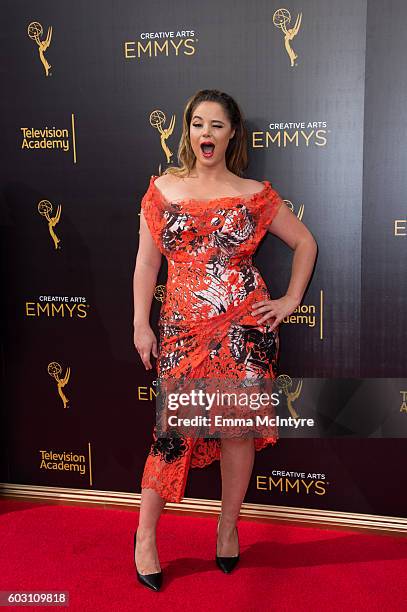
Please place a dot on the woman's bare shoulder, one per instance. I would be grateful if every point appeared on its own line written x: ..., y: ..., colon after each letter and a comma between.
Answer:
x: 166, y: 180
x: 251, y: 185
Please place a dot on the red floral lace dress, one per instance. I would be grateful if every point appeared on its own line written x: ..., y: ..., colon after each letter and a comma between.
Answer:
x: 206, y: 326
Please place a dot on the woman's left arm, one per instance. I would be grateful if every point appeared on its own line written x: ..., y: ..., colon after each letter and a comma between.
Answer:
x: 289, y: 228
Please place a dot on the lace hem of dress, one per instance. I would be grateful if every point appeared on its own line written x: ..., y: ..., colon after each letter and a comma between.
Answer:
x: 205, y: 452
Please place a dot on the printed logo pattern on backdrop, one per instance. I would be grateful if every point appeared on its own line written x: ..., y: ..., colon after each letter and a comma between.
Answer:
x: 157, y: 120
x: 45, y: 208
x: 50, y: 139
x: 151, y: 44
x: 400, y: 227
x: 285, y: 384
x: 54, y: 370
x: 281, y: 18
x: 35, y: 31
x: 300, y: 212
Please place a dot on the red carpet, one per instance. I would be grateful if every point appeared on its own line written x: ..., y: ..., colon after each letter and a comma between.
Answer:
x: 89, y: 553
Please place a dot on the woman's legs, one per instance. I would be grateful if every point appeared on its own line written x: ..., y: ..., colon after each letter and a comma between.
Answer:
x: 151, y: 507
x: 236, y: 463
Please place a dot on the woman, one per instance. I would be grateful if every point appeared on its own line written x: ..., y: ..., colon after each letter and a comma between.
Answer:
x: 208, y: 221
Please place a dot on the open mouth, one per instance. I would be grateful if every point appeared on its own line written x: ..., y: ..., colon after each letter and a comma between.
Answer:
x: 207, y: 149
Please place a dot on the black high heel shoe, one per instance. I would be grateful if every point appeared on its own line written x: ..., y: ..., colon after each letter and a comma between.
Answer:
x: 226, y: 564
x: 152, y: 581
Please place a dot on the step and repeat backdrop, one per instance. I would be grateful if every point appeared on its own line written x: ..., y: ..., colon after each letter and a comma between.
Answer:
x: 93, y: 96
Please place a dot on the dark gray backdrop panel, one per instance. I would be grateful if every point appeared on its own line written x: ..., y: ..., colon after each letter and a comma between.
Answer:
x: 384, y: 277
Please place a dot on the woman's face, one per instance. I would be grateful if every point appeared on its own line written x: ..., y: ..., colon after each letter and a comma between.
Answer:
x: 209, y: 123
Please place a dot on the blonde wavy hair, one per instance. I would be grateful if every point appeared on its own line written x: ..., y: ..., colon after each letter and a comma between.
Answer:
x: 236, y: 153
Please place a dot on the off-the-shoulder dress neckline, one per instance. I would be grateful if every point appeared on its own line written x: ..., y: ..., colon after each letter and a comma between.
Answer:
x: 245, y: 196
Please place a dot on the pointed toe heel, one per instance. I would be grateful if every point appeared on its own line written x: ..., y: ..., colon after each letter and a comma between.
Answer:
x: 152, y: 581
x: 226, y: 564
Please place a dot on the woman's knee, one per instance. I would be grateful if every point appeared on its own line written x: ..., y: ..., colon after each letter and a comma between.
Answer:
x: 236, y: 443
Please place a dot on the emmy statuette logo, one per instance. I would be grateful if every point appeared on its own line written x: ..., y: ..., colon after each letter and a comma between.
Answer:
x: 35, y: 31
x: 300, y: 212
x: 281, y: 19
x: 157, y: 120
x: 54, y: 370
x: 403, y: 407
x: 159, y: 293
x: 44, y: 208
x: 285, y: 383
